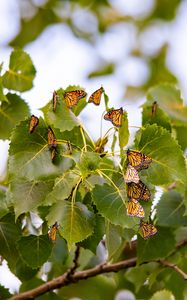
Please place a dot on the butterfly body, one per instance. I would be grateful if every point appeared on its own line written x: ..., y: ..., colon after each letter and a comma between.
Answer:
x: 131, y: 175
x: 134, y: 209
x: 138, y: 160
x: 114, y: 116
x: 154, y: 109
x: 54, y: 100
x: 96, y: 96
x: 34, y: 121
x: 138, y: 191
x: 147, y: 230
x: 73, y: 97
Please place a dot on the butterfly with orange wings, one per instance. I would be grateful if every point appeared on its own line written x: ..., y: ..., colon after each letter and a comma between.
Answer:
x: 134, y: 209
x: 52, y: 142
x: 96, y: 96
x: 138, y: 160
x: 138, y: 191
x: 52, y: 232
x: 34, y: 121
x: 114, y: 116
x: 147, y: 230
x: 73, y: 97
x: 131, y: 175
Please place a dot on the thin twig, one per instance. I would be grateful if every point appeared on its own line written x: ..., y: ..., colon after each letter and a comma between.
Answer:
x: 72, y: 270
x: 174, y: 267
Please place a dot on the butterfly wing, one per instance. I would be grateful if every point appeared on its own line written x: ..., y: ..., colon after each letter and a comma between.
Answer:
x: 34, y: 121
x: 135, y: 209
x: 96, y: 96
x: 73, y: 97
x: 134, y: 158
x: 52, y: 232
x: 138, y: 160
x: 52, y: 143
x: 138, y: 191
x: 131, y: 175
x: 147, y: 230
x: 146, y: 161
x: 114, y: 116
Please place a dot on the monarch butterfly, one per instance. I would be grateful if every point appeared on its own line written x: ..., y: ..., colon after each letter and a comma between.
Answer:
x: 73, y: 97
x: 131, y: 175
x: 34, y: 121
x: 69, y: 148
x: 52, y: 143
x: 135, y: 209
x: 96, y: 96
x: 54, y: 100
x: 138, y: 191
x: 138, y: 160
x: 114, y: 116
x: 52, y: 232
x: 147, y: 229
x: 154, y: 109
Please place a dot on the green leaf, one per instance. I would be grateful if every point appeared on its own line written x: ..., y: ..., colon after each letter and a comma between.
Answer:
x: 21, y: 72
x: 103, y: 70
x: 156, y: 247
x: 113, y: 240
x: 89, y: 162
x: 4, y: 293
x: 2, y: 96
x: 168, y: 162
x: 92, y: 241
x: 159, y: 117
x: 33, y: 26
x: 29, y: 155
x: 170, y: 210
x: 23, y: 271
x: 181, y: 136
x: 34, y: 250
x: 63, y: 118
x: 11, y: 113
x: 10, y: 232
x: 3, y: 204
x: 124, y: 132
x: 77, y: 222
x: 110, y: 202
x: 139, y: 274
x: 34, y: 194
x: 62, y: 188
x: 169, y: 99
x: 164, y: 294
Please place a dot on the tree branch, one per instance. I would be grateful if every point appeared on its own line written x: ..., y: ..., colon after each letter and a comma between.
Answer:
x: 71, y: 276
x: 64, y: 280
x: 174, y: 267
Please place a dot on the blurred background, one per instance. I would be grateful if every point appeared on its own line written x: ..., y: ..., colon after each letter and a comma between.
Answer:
x: 125, y: 46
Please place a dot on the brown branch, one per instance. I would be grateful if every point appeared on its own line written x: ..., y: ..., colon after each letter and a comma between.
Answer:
x: 174, y: 267
x: 63, y: 280
x: 67, y: 279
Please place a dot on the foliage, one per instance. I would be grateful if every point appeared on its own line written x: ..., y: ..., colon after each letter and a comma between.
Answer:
x: 82, y: 189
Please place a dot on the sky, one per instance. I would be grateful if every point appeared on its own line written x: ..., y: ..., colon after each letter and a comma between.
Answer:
x: 67, y: 60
